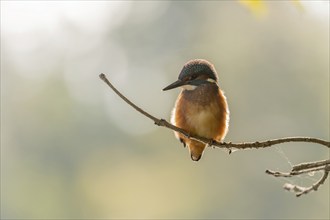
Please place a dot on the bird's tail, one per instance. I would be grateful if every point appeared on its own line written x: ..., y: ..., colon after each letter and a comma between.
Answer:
x: 196, y: 149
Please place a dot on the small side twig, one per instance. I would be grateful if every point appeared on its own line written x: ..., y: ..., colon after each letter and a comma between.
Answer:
x: 304, y: 168
x: 296, y: 170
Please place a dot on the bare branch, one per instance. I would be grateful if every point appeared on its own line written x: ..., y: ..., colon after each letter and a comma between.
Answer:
x: 296, y: 170
x: 210, y: 142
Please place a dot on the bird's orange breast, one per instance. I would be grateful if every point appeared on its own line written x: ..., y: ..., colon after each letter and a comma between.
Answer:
x: 202, y: 111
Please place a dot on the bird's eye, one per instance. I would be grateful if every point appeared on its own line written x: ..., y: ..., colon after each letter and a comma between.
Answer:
x: 192, y: 77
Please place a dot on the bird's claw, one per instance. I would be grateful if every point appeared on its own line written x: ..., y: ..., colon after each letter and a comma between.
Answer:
x: 211, y: 142
x: 182, y: 141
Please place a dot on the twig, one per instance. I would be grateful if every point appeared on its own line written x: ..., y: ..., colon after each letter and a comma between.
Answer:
x: 210, y: 142
x: 296, y: 170
x: 310, y: 165
x: 300, y: 169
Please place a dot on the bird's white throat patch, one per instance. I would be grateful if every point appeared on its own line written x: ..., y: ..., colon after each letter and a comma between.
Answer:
x: 189, y: 87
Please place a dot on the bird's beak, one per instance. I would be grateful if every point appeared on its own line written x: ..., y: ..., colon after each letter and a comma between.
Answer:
x: 176, y: 84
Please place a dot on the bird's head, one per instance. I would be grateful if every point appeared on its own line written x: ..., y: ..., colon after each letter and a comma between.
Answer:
x: 193, y: 74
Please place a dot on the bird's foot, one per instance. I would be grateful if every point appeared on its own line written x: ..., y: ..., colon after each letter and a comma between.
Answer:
x: 211, y: 143
x: 187, y: 135
x: 182, y: 141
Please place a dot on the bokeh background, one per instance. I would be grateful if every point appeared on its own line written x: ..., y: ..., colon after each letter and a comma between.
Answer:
x: 70, y: 148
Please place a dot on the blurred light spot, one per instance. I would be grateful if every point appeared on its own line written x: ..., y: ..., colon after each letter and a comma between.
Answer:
x: 35, y: 15
x: 319, y: 9
x: 31, y: 55
x: 39, y: 35
x: 257, y: 7
x: 298, y: 5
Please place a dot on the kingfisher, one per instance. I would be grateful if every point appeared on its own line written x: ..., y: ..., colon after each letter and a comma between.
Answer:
x: 201, y: 107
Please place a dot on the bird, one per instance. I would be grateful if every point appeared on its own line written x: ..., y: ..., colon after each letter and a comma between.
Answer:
x: 201, y: 107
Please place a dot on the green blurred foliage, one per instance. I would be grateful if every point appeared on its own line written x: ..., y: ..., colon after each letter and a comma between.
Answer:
x: 71, y: 149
